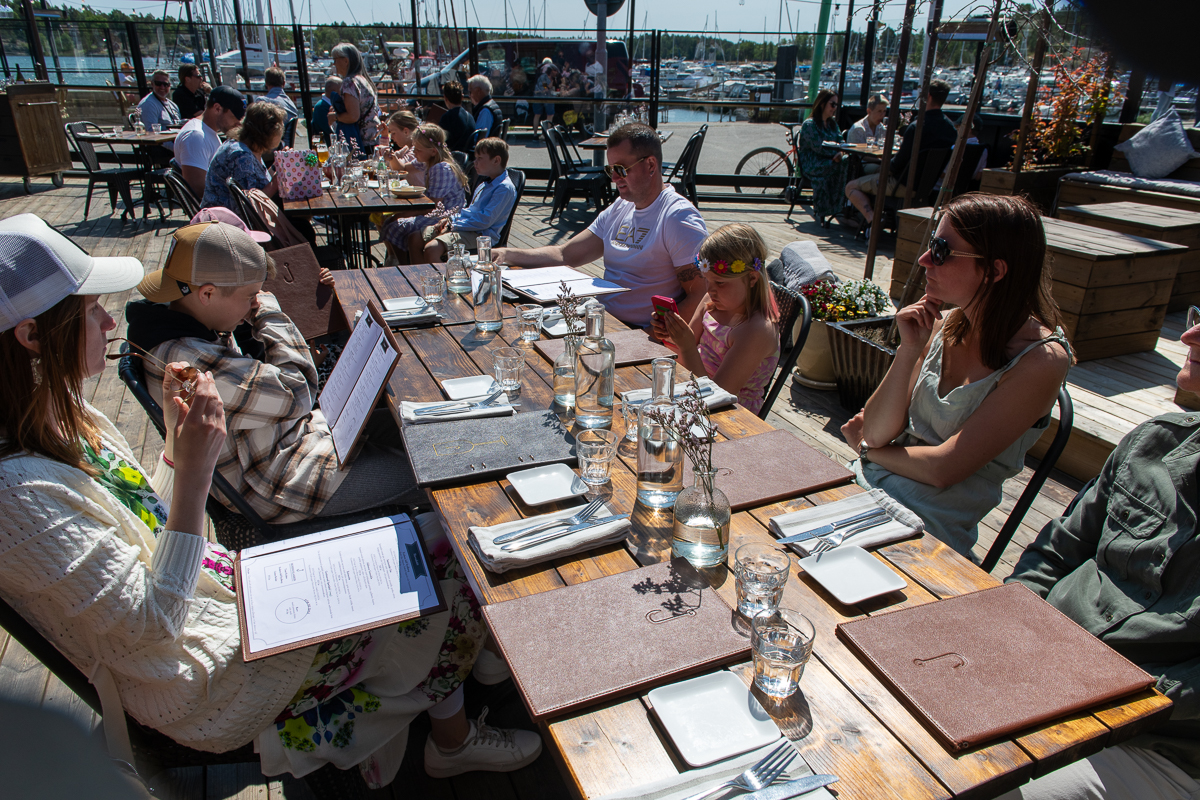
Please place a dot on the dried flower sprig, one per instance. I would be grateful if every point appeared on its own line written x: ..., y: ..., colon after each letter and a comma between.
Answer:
x: 572, y: 308
x: 690, y: 424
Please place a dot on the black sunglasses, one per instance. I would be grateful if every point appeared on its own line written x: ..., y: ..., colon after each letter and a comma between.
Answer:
x: 939, y: 251
x: 163, y: 83
x: 620, y: 170
x: 1193, y: 317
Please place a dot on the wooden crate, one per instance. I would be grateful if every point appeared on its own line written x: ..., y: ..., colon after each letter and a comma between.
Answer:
x: 1112, y: 288
x: 1039, y: 184
x: 1161, y: 223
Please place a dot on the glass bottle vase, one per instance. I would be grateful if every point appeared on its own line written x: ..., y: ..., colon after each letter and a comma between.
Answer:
x: 595, y: 374
x: 702, y: 515
x: 458, y: 279
x: 564, y: 377
x: 489, y: 313
x: 660, y: 456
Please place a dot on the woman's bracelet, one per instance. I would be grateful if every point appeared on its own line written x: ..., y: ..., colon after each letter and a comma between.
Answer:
x: 168, y: 461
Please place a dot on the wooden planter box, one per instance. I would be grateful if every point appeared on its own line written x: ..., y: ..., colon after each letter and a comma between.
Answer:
x: 859, y: 363
x: 909, y: 245
x: 1039, y: 184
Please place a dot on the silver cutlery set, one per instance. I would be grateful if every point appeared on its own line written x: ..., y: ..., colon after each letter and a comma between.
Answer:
x: 459, y: 406
x: 542, y: 532
x: 833, y: 534
x: 756, y: 782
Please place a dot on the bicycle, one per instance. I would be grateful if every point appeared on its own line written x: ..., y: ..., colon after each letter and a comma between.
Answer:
x: 773, y: 162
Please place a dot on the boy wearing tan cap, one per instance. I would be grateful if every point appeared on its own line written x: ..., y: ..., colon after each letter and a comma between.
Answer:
x: 207, y: 307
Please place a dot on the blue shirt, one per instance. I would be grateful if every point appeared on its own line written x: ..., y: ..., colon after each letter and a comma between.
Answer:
x: 489, y: 208
x: 233, y: 159
x: 280, y: 98
x: 484, y: 120
x: 320, y: 118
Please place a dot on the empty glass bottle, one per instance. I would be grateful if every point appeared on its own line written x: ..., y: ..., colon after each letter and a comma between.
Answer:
x: 595, y: 371
x: 458, y: 279
x: 489, y: 315
x: 660, y: 455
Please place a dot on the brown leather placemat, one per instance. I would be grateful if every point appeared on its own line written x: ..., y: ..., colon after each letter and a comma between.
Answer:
x: 769, y: 467
x: 578, y: 645
x: 982, y: 665
x: 633, y: 347
x: 309, y: 303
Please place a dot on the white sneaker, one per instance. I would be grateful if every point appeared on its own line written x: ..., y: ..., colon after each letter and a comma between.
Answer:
x: 490, y: 668
x: 486, y: 748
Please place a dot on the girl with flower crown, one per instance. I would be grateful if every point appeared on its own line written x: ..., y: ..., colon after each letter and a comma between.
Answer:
x: 732, y: 338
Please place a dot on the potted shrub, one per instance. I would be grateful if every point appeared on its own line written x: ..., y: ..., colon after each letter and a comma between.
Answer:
x: 833, y: 302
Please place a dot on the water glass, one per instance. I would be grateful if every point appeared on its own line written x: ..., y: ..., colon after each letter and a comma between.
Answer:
x: 116, y: 130
x: 506, y: 365
x: 781, y: 641
x: 630, y: 410
x: 484, y: 248
x: 596, y: 448
x: 433, y: 289
x: 761, y: 573
x: 529, y: 316
x: 156, y: 127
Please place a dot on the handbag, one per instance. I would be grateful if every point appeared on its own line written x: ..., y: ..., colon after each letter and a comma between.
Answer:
x: 299, y: 174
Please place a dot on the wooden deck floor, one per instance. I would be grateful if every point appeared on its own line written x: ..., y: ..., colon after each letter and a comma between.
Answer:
x: 1111, y: 397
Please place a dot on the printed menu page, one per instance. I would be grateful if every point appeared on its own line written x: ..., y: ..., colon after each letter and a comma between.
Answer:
x: 317, y: 587
x: 361, y: 401
x: 350, y: 365
x: 581, y: 287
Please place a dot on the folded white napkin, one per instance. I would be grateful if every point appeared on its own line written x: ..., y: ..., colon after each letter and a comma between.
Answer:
x: 500, y: 408
x: 718, y: 399
x: 552, y: 319
x: 496, y: 560
x: 904, y: 523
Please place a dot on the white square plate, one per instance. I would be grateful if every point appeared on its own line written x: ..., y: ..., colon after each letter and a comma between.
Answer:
x: 851, y: 574
x: 471, y: 386
x: 546, y: 484
x: 712, y: 717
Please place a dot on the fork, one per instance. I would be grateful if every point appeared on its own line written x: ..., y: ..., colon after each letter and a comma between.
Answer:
x: 583, y: 515
x: 826, y: 543
x: 759, y: 776
x: 459, y: 406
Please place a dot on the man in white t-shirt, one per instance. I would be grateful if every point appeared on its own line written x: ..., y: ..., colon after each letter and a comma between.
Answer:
x: 198, y: 141
x: 648, y: 238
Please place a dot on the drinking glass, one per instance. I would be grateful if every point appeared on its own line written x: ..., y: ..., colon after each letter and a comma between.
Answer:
x: 529, y: 316
x: 629, y: 410
x: 596, y: 448
x: 156, y: 127
x: 433, y: 289
x: 484, y: 248
x: 116, y: 130
x: 506, y: 364
x: 322, y: 153
x: 761, y: 573
x: 782, y: 641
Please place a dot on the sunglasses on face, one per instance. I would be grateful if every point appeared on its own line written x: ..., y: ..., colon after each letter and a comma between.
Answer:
x: 1193, y: 317
x: 163, y: 83
x: 939, y: 251
x: 620, y: 170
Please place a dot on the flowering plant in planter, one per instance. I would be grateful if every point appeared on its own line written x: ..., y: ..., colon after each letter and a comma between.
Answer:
x: 836, y: 302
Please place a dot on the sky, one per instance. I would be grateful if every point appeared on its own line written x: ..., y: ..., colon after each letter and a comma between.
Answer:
x: 727, y: 16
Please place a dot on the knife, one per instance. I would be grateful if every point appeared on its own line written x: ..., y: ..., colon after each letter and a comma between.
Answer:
x: 831, y: 527
x: 782, y: 791
x: 522, y: 544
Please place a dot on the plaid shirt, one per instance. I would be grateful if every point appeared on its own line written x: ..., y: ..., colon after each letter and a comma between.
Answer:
x: 278, y: 454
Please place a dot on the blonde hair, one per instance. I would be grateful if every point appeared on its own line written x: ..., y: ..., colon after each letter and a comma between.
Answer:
x: 740, y: 242
x: 433, y: 137
x: 404, y: 119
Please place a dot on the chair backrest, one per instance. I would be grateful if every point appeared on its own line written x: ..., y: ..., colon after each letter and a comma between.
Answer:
x: 563, y: 138
x: 930, y: 166
x: 289, y: 134
x: 247, y: 211
x: 552, y: 145
x: 792, y: 306
x: 518, y: 179
x: 966, y: 170
x: 41, y: 648
x: 87, y: 153
x: 690, y: 150
x: 504, y: 129
x: 1066, y: 418
x: 182, y: 193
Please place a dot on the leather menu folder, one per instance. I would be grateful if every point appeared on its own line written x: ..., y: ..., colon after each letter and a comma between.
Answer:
x: 769, y: 467
x: 582, y: 644
x: 634, y: 346
x: 310, y: 304
x: 987, y: 664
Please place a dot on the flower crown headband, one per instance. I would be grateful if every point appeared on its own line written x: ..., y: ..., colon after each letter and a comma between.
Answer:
x: 727, y: 268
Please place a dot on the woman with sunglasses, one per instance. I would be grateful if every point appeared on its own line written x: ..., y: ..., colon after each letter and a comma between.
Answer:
x: 970, y: 390
x: 822, y: 166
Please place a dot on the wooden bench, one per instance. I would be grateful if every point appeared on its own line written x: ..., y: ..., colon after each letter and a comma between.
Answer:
x: 1072, y: 192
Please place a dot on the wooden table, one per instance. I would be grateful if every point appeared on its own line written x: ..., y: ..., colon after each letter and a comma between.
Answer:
x: 354, y: 227
x: 843, y: 720
x: 143, y: 145
x: 1151, y: 222
x: 1112, y: 288
x: 868, y: 151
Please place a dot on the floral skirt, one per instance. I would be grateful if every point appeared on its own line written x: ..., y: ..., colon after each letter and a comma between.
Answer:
x: 363, y: 690
x: 398, y: 230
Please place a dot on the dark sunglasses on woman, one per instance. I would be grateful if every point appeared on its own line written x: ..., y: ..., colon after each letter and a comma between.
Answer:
x: 939, y: 251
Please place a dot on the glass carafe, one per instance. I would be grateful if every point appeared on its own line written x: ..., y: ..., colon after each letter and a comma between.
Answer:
x: 660, y: 455
x: 489, y: 314
x: 458, y: 279
x: 595, y: 370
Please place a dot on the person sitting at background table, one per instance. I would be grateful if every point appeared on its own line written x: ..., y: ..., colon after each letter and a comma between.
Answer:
x: 822, y: 166
x: 274, y: 79
x: 488, y: 115
x: 489, y: 209
x: 240, y: 157
x: 400, y: 128
x: 111, y: 565
x: 197, y: 141
x: 1122, y: 565
x: 970, y: 390
x: 457, y: 122
x: 319, y: 125
x: 157, y: 108
x: 732, y: 337
x: 189, y: 95
x: 446, y: 185
x: 871, y: 126
x: 648, y: 237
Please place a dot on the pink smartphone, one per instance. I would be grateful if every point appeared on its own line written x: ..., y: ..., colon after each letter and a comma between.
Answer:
x: 664, y: 304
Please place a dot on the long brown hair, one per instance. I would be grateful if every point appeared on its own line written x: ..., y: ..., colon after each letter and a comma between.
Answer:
x: 433, y: 137
x: 818, y: 109
x: 47, y: 415
x: 1008, y: 229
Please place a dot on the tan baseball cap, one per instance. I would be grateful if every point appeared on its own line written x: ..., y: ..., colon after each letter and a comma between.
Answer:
x: 208, y: 252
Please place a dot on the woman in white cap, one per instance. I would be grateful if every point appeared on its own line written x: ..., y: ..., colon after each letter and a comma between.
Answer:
x: 126, y: 586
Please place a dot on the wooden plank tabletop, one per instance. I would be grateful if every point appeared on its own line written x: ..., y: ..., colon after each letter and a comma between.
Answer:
x: 843, y: 719
x: 128, y: 137
x: 369, y: 201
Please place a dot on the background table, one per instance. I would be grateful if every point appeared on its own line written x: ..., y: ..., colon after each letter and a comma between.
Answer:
x: 143, y: 145
x: 843, y: 720
x: 355, y: 233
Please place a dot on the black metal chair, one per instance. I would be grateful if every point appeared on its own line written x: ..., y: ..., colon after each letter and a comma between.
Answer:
x: 180, y: 192
x: 966, y: 170
x: 1066, y: 418
x: 685, y: 167
x: 289, y: 133
x: 572, y: 160
x: 793, y: 306
x: 518, y: 179
x: 247, y: 212
x: 116, y: 179
x: 504, y: 129
x: 568, y: 183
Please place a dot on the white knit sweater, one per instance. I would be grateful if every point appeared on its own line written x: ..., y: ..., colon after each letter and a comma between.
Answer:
x: 77, y: 564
